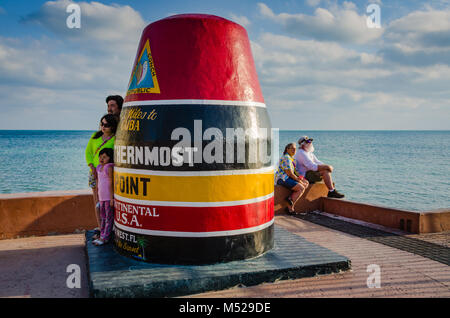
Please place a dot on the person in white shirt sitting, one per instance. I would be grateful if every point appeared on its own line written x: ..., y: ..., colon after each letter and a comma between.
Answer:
x: 312, y: 168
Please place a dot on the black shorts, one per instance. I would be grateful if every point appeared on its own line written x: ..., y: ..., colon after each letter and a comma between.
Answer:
x: 313, y: 176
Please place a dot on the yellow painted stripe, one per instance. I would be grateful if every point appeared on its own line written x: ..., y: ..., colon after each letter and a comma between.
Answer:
x: 192, y: 188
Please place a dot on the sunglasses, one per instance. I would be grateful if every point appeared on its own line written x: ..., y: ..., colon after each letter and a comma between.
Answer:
x: 106, y: 125
x: 308, y: 141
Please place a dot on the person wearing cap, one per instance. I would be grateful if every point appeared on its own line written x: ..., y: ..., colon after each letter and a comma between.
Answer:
x: 312, y: 168
x: 287, y: 176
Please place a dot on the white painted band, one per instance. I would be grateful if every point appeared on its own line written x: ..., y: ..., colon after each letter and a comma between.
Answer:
x: 193, y: 204
x: 194, y: 102
x: 194, y: 234
x: 195, y: 173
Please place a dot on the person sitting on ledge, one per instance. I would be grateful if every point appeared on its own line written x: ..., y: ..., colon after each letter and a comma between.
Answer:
x: 312, y: 168
x: 287, y: 176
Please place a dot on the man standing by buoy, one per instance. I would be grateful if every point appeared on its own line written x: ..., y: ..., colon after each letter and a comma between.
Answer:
x: 312, y: 168
x: 114, y: 104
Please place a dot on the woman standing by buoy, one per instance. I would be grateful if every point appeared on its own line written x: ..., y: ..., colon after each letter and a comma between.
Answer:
x: 104, y: 138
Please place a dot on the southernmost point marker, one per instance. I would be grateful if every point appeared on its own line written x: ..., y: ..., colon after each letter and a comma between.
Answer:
x: 193, y: 176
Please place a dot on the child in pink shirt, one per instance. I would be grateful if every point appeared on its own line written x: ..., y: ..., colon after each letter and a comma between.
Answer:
x: 105, y: 194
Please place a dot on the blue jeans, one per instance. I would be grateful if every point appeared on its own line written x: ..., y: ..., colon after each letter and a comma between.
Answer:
x: 288, y: 183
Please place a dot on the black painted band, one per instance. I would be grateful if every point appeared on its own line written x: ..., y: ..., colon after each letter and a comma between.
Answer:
x: 214, y: 137
x: 182, y: 250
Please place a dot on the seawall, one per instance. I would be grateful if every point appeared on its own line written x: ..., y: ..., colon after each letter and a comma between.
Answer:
x: 63, y: 212
x: 46, y: 213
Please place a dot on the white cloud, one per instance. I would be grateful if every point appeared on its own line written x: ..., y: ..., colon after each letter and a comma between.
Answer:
x: 348, y: 5
x: 106, y: 27
x: 347, y: 88
x: 293, y: 60
x: 312, y: 76
x: 319, y: 73
x: 313, y: 3
x: 340, y: 24
x: 44, y: 89
x: 242, y: 20
x: 47, y: 108
x: 424, y: 28
x: 99, y: 54
x: 421, y: 38
x: 265, y: 11
x: 69, y: 76
x: 36, y: 65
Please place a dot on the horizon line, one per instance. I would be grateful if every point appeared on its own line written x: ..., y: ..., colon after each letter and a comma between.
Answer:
x: 89, y: 130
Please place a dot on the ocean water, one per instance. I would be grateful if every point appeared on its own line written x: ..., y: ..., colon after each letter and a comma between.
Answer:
x: 39, y: 160
x: 401, y: 169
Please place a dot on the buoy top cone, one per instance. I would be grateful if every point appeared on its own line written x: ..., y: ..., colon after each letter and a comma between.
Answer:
x: 194, y: 57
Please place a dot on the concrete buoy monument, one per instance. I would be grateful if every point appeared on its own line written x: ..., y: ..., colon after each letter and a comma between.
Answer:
x: 193, y: 176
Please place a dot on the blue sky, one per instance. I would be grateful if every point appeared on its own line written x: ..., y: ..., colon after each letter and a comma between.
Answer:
x: 319, y: 65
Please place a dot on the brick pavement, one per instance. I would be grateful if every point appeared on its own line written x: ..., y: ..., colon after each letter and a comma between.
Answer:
x: 36, y: 267
x: 403, y: 274
x: 417, y: 244
x: 442, y: 238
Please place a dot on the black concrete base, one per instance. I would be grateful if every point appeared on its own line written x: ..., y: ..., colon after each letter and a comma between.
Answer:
x: 114, y: 275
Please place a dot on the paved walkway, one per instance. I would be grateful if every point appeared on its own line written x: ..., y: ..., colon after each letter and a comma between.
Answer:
x: 36, y: 267
x: 403, y: 274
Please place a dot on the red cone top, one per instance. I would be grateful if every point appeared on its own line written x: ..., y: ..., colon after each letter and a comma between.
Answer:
x: 194, y: 56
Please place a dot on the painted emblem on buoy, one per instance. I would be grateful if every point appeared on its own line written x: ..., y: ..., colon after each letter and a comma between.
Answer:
x: 143, y: 78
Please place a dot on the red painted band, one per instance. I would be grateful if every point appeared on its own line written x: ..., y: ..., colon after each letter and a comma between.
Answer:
x: 194, y: 219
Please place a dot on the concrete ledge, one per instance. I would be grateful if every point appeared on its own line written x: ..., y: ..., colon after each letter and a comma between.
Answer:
x: 309, y: 201
x: 65, y: 212
x: 409, y: 221
x: 435, y: 221
x: 114, y: 275
x: 44, y: 194
x: 46, y: 213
